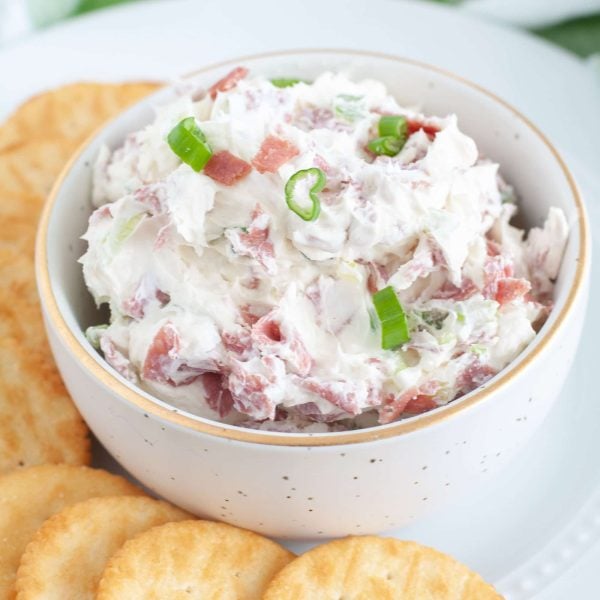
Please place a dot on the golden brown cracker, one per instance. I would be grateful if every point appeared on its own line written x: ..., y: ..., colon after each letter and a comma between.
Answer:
x: 364, y: 568
x: 30, y: 496
x: 38, y: 422
x: 31, y: 167
x: 17, y: 234
x: 192, y: 560
x: 68, y: 554
x: 70, y: 112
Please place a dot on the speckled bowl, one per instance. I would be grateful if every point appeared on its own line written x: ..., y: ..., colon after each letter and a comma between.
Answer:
x: 295, y: 485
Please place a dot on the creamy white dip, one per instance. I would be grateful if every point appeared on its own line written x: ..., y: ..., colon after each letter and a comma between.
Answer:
x: 226, y: 303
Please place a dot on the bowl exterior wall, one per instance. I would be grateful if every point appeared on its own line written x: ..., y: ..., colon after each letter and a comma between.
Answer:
x: 322, y: 491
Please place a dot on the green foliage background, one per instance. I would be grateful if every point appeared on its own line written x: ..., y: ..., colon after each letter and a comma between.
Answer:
x: 581, y: 36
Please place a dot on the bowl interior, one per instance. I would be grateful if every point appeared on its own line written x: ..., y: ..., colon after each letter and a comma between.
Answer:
x: 526, y: 160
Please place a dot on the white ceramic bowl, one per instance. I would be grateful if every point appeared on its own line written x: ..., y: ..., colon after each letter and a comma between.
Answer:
x: 298, y: 485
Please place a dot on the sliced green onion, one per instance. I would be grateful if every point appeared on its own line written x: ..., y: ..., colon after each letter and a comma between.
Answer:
x: 309, y: 213
x: 388, y: 145
x: 282, y: 82
x: 189, y: 143
x: 395, y: 126
x: 394, y: 327
x: 435, y: 317
x: 393, y: 133
x: 125, y: 228
x: 477, y: 349
x: 508, y: 196
x: 349, y: 108
x: 94, y: 333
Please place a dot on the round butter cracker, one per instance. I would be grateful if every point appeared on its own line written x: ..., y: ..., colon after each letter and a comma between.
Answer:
x: 70, y: 112
x: 369, y: 567
x: 38, y: 421
x: 193, y: 560
x: 30, y: 496
x: 68, y: 554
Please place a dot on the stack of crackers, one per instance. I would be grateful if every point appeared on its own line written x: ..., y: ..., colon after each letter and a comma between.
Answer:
x: 38, y: 422
x: 68, y: 531
x: 78, y: 533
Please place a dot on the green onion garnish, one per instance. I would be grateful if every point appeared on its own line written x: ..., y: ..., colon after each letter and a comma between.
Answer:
x: 477, y: 349
x: 311, y: 212
x: 393, y: 133
x: 189, y: 143
x: 94, y: 333
x: 282, y: 82
x: 435, y: 317
x: 388, y: 145
x: 124, y: 228
x: 349, y: 108
x: 394, y: 125
x: 394, y: 328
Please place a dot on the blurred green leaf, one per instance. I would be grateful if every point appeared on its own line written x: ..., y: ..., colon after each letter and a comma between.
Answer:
x: 45, y: 13
x: 581, y: 36
x: 89, y: 5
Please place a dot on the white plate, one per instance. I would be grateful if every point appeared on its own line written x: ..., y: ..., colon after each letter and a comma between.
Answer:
x: 535, y: 530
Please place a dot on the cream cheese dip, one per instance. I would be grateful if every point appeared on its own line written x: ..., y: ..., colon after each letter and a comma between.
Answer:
x: 271, y: 260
